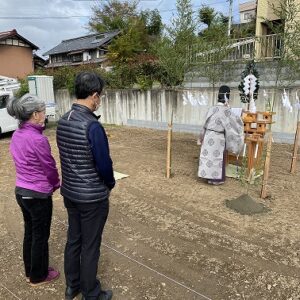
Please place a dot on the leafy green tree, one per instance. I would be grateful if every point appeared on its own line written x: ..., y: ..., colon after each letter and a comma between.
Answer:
x: 173, y: 49
x: 182, y: 30
x: 153, y: 22
x: 223, y: 19
x: 285, y: 51
x: 24, y: 88
x: 243, y: 30
x: 210, y: 57
x: 128, y: 45
x: 138, y: 30
x: 112, y: 15
x: 207, y: 15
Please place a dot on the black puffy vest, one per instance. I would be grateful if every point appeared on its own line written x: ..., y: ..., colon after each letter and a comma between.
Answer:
x: 80, y: 180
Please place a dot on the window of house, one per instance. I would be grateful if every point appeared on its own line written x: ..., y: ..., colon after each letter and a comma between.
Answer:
x: 77, y: 57
x: 93, y: 54
x: 247, y: 16
x: 56, y: 58
x: 86, y: 55
x: 65, y: 57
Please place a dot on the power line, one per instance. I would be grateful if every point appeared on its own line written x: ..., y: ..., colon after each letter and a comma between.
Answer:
x: 196, y: 6
x: 40, y: 17
x: 83, y: 16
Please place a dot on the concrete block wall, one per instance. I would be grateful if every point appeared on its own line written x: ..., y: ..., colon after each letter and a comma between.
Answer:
x: 124, y: 107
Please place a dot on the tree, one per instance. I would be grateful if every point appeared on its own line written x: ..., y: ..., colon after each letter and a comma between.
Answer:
x: 132, y: 42
x: 243, y: 30
x: 213, y: 49
x: 171, y: 61
x: 286, y: 51
x: 174, y: 47
x: 207, y: 15
x: 153, y: 22
x: 113, y: 15
x: 128, y: 52
x: 210, y: 58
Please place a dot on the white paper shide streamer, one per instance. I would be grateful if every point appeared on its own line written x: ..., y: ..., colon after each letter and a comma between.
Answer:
x: 286, y: 101
x: 244, y: 149
x: 265, y: 94
x: 250, y: 82
x: 194, y: 100
x: 256, y: 150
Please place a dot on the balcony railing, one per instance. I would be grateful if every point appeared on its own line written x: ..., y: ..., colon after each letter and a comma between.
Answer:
x: 76, y: 63
x: 263, y: 47
x: 270, y: 46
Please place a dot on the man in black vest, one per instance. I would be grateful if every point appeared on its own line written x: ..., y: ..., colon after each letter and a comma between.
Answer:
x: 87, y: 179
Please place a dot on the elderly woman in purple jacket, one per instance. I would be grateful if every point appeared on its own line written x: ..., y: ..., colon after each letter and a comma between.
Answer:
x: 37, y: 179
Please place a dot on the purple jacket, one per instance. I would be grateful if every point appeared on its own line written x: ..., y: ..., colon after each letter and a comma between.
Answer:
x: 35, y: 167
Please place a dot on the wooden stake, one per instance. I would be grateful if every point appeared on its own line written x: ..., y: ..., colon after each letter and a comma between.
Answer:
x: 295, y: 151
x: 251, y: 149
x: 169, y: 146
x: 266, y: 168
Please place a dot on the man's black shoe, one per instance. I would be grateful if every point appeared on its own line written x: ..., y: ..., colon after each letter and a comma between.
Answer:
x: 105, y: 295
x: 71, y: 293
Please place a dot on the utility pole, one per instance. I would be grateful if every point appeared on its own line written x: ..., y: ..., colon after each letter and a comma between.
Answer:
x: 230, y: 16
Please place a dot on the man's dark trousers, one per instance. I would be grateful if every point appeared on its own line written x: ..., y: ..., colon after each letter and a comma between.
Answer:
x: 82, y: 252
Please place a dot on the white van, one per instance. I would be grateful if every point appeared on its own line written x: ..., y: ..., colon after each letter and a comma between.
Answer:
x: 7, y: 123
x: 41, y: 86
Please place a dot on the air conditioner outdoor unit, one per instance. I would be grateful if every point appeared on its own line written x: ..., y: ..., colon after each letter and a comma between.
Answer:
x: 246, y: 56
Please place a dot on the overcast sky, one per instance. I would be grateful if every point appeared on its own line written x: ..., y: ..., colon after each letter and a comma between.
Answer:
x: 44, y: 22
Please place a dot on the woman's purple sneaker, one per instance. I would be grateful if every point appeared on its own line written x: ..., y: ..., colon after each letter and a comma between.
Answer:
x: 28, y: 278
x: 52, y: 275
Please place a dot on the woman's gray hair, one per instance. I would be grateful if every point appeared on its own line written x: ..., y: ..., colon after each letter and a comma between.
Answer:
x: 23, y: 108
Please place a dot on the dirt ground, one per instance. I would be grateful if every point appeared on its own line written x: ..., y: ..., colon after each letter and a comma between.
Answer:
x: 170, y: 239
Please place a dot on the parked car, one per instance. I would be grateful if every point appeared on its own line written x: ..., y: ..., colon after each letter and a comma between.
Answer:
x: 7, y: 123
x: 41, y: 86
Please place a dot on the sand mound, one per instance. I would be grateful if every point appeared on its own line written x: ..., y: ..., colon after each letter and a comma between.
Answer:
x: 245, y: 205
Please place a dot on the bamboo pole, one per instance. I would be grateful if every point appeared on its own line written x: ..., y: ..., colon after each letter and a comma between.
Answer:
x: 266, y: 168
x: 295, y: 151
x: 169, y: 147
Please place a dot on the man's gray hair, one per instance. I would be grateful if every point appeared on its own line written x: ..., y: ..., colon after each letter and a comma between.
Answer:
x: 23, y: 108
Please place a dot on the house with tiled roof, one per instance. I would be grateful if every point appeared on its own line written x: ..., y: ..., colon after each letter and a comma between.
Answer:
x: 89, y: 49
x: 16, y: 54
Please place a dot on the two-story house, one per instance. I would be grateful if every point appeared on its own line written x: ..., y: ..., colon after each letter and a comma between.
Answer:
x: 16, y: 55
x: 268, y: 44
x: 89, y: 49
x: 247, y: 11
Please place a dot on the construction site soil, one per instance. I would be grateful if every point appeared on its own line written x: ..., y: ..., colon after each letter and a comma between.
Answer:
x: 170, y: 239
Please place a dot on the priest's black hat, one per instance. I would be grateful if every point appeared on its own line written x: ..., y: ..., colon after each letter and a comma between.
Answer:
x: 224, y: 93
